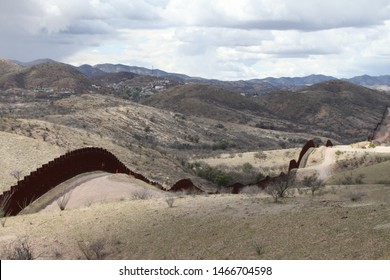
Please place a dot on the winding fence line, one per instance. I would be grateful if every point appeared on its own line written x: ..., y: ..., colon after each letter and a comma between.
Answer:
x: 59, y: 170
x: 76, y: 162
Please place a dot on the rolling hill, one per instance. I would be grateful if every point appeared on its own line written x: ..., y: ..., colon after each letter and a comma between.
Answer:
x: 53, y: 75
x: 6, y: 67
x: 348, y: 111
x: 207, y: 101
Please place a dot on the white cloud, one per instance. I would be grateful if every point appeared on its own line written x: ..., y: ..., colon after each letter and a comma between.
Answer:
x: 226, y: 39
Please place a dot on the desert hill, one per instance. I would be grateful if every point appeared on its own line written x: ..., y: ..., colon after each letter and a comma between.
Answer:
x: 181, y: 129
x: 51, y: 75
x: 7, y: 67
x: 346, y: 111
x: 148, y: 140
x: 206, y: 101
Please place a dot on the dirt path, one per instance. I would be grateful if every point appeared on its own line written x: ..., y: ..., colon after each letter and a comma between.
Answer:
x: 324, y: 169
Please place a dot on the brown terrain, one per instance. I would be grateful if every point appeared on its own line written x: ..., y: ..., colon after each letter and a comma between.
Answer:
x: 212, y: 136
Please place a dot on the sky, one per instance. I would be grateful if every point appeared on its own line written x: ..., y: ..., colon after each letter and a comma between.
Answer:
x: 220, y: 39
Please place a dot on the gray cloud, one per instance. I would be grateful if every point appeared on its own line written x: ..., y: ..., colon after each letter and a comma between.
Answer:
x: 220, y: 38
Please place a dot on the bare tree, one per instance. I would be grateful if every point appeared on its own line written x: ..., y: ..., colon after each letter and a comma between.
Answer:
x: 279, y: 188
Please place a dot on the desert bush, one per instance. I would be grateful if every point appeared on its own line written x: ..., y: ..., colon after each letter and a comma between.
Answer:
x: 21, y: 250
x: 142, y: 194
x: 259, y: 248
x: 214, y: 175
x: 170, y: 200
x: 313, y: 183
x: 93, y: 250
x: 347, y: 180
x: 355, y: 196
x: 260, y: 155
x: 359, y: 179
x: 247, y: 167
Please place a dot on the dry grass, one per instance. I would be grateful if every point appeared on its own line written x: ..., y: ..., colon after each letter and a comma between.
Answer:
x: 23, y: 154
x: 269, y: 162
x: 374, y: 174
x: 328, y: 226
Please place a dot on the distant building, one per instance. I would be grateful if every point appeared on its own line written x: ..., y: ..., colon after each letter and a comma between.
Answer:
x: 45, y: 90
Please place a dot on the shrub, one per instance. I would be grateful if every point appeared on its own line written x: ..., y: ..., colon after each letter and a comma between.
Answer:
x: 356, y: 196
x: 359, y: 179
x: 259, y: 248
x: 313, y: 183
x: 142, y: 194
x: 170, y: 200
x: 260, y: 155
x: 214, y: 175
x: 93, y: 250
x: 247, y: 167
x: 21, y: 251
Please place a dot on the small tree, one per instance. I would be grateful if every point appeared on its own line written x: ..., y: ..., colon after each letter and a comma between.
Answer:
x: 279, y: 188
x: 313, y: 182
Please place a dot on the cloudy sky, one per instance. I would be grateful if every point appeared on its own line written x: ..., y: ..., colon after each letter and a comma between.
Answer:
x: 223, y: 39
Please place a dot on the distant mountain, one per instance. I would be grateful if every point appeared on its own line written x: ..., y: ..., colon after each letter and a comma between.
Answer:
x: 378, y: 82
x: 286, y: 82
x: 34, y: 62
x: 252, y: 87
x: 47, y: 75
x: 115, y: 68
x: 91, y: 71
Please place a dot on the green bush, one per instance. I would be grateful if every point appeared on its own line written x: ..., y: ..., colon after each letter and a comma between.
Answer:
x: 247, y: 167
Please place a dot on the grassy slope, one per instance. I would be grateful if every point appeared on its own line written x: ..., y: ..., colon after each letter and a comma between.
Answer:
x: 375, y: 174
x: 24, y: 154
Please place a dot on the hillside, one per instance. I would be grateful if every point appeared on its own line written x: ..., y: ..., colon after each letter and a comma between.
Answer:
x: 349, y: 112
x: 247, y: 227
x: 7, y: 67
x: 207, y: 101
x: 52, y: 75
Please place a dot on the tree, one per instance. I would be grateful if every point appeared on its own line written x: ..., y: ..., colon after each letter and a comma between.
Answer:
x: 313, y: 182
x: 280, y: 186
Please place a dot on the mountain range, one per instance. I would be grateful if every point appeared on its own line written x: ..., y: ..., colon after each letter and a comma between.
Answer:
x: 251, y: 87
